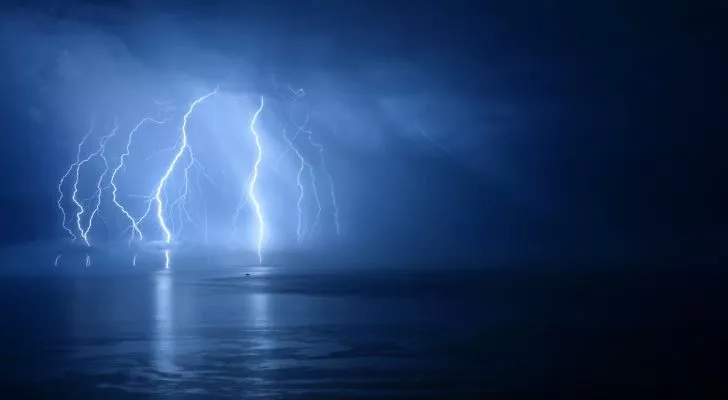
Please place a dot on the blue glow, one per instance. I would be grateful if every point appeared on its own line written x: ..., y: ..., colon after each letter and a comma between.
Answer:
x: 185, y: 213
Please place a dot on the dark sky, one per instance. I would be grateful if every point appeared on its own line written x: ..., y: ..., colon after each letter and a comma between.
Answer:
x: 572, y: 128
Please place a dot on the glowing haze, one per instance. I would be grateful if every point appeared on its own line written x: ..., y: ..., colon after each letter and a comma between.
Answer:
x: 177, y: 195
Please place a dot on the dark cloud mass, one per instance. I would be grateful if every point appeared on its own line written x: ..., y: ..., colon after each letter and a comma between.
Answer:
x: 466, y: 129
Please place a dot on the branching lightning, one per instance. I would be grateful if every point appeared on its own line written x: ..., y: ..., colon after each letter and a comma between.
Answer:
x: 114, y: 188
x: 183, y: 147
x: 330, y: 179
x: 79, y: 214
x: 300, y: 232
x: 303, y: 128
x: 99, y: 190
x: 297, y: 95
x: 171, y: 201
x: 63, y: 179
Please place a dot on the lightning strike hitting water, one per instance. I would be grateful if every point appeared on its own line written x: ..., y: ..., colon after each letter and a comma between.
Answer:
x: 114, y: 188
x: 183, y: 147
x: 99, y: 190
x: 254, y: 179
x: 170, y: 195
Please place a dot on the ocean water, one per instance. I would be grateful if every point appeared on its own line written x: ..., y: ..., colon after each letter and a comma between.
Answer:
x: 201, y: 329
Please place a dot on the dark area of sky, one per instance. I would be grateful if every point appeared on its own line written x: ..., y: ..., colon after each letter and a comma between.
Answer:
x: 575, y: 128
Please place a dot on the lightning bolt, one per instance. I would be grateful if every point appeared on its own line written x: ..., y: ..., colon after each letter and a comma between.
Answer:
x: 99, y: 189
x: 183, y: 213
x: 63, y: 179
x: 312, y: 173
x: 297, y: 94
x: 81, y: 210
x: 114, y: 189
x: 169, y: 198
x: 302, y: 166
x: 183, y: 148
x: 316, y: 197
x: 330, y: 179
x: 254, y: 180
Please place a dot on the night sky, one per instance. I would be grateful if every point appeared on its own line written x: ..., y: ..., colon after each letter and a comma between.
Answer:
x: 551, y: 128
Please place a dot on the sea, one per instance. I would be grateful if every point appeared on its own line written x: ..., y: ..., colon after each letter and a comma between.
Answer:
x: 126, y: 327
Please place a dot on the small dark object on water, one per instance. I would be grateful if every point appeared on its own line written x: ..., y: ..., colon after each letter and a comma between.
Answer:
x: 247, y: 274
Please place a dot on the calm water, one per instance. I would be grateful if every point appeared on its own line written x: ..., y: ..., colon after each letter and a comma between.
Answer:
x: 283, y: 332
